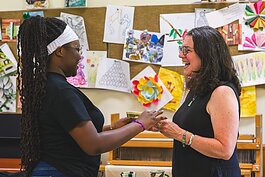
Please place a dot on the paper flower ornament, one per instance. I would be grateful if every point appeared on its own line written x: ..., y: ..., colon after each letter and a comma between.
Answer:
x: 256, y: 40
x: 147, y: 90
x: 255, y: 15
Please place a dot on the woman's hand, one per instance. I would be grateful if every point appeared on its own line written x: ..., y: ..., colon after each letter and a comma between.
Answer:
x: 170, y: 129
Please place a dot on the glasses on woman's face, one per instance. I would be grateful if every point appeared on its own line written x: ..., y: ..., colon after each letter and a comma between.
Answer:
x: 185, y: 50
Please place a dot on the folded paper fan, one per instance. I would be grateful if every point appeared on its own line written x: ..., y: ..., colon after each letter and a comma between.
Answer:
x: 256, y: 40
x: 255, y: 15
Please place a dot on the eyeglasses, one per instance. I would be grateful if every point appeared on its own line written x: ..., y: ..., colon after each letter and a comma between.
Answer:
x: 184, y: 49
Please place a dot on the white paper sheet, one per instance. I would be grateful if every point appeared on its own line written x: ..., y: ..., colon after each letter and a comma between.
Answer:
x: 93, y: 59
x: 166, y: 96
x: 8, y: 94
x: 224, y: 16
x: 113, y: 74
x: 250, y: 68
x: 118, y: 19
x: 183, y: 21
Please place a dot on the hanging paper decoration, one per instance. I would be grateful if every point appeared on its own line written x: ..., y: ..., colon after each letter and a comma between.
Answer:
x: 255, y: 15
x: 147, y: 90
x: 256, y: 40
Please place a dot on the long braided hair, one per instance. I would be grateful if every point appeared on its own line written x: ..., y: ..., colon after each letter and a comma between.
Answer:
x: 34, y: 35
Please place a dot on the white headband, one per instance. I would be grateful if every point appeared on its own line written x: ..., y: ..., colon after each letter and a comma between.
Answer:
x: 67, y: 36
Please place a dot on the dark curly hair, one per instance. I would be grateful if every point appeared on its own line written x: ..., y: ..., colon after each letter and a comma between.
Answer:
x: 217, y: 66
x: 34, y: 35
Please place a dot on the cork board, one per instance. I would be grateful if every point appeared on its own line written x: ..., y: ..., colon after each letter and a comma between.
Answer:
x: 146, y: 17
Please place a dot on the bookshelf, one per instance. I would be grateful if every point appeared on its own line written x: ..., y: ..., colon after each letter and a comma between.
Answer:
x: 154, y: 149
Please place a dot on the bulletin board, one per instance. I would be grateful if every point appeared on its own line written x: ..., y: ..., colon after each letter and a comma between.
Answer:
x: 145, y: 17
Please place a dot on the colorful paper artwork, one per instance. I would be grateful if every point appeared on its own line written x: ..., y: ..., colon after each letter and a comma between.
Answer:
x: 251, y: 40
x: 75, y: 3
x: 113, y: 74
x: 231, y: 33
x: 27, y: 15
x: 250, y: 68
x: 150, y: 90
x: 8, y: 63
x: 93, y: 59
x: 10, y: 29
x: 174, y: 83
x: 78, y: 25
x: 118, y: 19
x: 255, y: 15
x: 143, y: 46
x: 8, y: 94
x: 33, y: 4
x: 174, y: 26
x: 248, y: 101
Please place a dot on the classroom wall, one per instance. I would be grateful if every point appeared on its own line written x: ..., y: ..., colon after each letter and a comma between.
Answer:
x: 117, y: 102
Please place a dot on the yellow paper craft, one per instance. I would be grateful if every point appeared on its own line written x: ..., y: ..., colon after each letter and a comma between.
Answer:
x: 174, y: 82
x: 248, y: 101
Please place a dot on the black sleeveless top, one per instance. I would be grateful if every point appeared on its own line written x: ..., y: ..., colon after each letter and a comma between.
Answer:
x: 187, y: 162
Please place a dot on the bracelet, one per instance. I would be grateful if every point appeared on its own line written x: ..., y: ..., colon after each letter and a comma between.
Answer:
x: 140, y: 123
x: 191, y: 138
x: 183, y: 140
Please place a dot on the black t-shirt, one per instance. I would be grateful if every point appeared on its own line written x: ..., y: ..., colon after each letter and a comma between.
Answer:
x: 65, y: 106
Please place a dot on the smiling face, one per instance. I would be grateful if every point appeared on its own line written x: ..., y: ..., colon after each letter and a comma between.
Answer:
x: 192, y: 62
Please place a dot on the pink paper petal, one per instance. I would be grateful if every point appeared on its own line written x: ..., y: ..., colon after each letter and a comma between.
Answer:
x: 257, y: 6
x: 253, y: 37
x: 249, y: 40
x: 260, y: 39
x: 248, y: 46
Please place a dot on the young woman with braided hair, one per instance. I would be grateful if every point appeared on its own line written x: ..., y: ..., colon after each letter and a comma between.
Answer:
x: 62, y: 131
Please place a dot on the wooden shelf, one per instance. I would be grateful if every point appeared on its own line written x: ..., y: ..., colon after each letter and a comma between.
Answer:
x: 154, y: 140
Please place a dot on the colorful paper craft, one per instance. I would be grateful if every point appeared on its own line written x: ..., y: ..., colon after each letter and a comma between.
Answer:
x: 32, y: 4
x: 143, y: 46
x: 174, y: 83
x: 10, y: 29
x: 75, y: 3
x: 257, y: 40
x: 8, y: 94
x: 150, y: 90
x: 255, y: 15
x: 231, y: 33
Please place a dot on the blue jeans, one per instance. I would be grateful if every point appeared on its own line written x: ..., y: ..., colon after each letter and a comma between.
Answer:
x: 44, y: 169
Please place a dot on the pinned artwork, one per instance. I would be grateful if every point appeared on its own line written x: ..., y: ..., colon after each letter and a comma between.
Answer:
x: 248, y: 101
x: 231, y: 33
x: 75, y: 3
x: 253, y: 40
x: 150, y: 90
x: 8, y: 63
x: 174, y: 82
x: 250, y: 68
x: 118, y: 19
x: 175, y: 27
x: 255, y: 15
x: 8, y: 94
x: 27, y: 15
x: 33, y: 4
x: 143, y: 46
x: 10, y: 29
x: 113, y: 74
x: 93, y: 59
x: 78, y: 25
x: 200, y: 18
